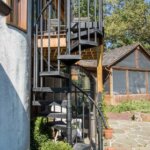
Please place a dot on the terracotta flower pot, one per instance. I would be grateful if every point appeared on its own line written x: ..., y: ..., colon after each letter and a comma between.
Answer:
x: 110, y: 148
x: 108, y: 133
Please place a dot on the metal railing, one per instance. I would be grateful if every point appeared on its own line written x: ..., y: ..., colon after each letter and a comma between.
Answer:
x: 46, y: 27
x: 76, y: 30
x: 79, y: 30
x: 99, y: 115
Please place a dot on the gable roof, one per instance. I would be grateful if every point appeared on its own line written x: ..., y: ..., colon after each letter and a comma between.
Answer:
x: 111, y: 57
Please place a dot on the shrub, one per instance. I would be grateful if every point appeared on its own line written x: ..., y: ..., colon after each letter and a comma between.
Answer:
x: 40, y: 137
x: 49, y: 145
x: 132, y: 105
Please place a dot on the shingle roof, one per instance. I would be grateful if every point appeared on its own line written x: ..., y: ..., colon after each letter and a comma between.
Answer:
x: 110, y: 57
x: 88, y: 63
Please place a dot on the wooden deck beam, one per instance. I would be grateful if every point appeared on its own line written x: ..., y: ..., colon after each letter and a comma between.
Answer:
x: 53, y: 42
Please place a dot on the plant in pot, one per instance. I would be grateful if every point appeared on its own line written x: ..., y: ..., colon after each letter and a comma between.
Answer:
x: 107, y: 132
x: 110, y: 148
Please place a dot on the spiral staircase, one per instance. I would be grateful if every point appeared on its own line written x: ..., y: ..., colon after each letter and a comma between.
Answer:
x: 63, y: 35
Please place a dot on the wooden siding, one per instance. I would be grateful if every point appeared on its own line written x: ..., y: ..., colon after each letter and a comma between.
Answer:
x: 18, y: 16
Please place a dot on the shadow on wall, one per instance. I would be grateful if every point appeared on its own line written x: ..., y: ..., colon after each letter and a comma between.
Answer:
x: 14, y: 121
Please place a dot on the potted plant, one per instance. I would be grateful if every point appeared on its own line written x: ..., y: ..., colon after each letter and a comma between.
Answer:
x: 108, y: 133
x: 110, y: 148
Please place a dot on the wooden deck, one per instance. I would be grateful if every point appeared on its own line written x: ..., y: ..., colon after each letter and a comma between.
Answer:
x: 87, y: 54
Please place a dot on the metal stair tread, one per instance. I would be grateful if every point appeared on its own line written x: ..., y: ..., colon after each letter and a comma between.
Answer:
x: 57, y: 115
x: 88, y: 42
x: 66, y: 57
x: 57, y: 74
x: 85, y: 33
x: 50, y: 90
x: 84, y: 43
x: 84, y: 25
x: 69, y: 59
x: 45, y: 102
x: 40, y: 102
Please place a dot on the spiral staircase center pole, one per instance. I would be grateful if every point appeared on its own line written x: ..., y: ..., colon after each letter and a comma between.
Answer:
x: 69, y: 109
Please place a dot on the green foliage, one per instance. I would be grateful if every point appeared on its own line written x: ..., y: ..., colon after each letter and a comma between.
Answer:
x: 84, y: 9
x: 127, y: 22
x: 103, y: 107
x: 131, y: 105
x: 41, y: 134
x: 49, y: 145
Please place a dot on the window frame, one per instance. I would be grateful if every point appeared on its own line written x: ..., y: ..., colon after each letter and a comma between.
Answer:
x: 147, y: 80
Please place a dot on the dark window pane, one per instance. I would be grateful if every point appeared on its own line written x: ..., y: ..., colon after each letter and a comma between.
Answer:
x: 106, y: 86
x: 129, y: 61
x: 137, y: 82
x: 144, y: 62
x: 119, y: 82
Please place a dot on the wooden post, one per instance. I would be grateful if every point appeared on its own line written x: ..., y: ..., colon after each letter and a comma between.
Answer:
x: 99, y: 91
x: 100, y: 68
x: 146, y: 82
x: 111, y: 86
x: 127, y: 82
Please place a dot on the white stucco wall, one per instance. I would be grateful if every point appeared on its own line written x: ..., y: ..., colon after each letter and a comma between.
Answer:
x: 14, y: 88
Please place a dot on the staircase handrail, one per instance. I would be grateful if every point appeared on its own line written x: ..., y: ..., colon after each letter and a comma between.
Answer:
x: 91, y: 99
x: 45, y: 7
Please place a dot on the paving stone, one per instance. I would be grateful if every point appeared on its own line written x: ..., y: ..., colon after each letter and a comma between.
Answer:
x: 129, y: 135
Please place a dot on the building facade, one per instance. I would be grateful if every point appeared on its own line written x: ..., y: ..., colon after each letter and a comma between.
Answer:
x: 62, y: 34
x: 15, y: 78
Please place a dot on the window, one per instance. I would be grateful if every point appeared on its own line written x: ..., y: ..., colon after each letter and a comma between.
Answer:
x: 129, y: 61
x: 119, y: 82
x: 144, y: 62
x: 107, y: 86
x: 18, y: 16
x: 137, y: 82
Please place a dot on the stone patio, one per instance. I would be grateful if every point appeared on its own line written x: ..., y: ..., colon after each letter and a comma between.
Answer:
x: 129, y: 135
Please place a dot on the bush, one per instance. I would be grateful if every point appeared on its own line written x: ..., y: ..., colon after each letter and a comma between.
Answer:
x: 132, y: 105
x: 49, y: 145
x: 40, y: 137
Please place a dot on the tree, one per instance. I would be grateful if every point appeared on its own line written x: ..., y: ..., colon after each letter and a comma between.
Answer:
x: 127, y: 22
